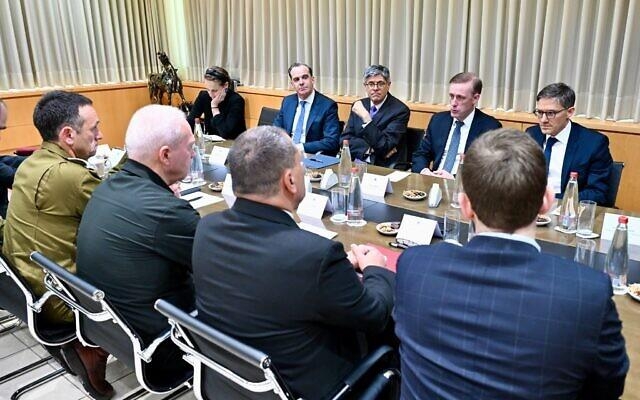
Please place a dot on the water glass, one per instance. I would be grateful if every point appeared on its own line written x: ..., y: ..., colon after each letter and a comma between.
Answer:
x: 338, y: 198
x: 586, y: 217
x: 452, y: 226
x: 585, y: 252
x: 361, y: 167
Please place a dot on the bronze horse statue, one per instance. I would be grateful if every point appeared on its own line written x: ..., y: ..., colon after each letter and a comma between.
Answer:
x: 167, y: 82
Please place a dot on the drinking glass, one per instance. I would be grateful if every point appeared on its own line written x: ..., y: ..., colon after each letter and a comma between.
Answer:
x: 338, y: 198
x: 362, y: 168
x: 586, y: 217
x: 452, y: 226
x: 585, y: 252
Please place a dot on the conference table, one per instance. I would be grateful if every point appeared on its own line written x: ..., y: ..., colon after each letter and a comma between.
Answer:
x: 550, y: 240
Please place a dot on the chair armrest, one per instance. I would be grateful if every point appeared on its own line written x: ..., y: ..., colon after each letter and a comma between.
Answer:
x: 367, y: 364
x: 147, y: 353
x: 403, y: 166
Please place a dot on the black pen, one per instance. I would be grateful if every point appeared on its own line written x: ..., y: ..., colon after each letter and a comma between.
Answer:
x: 194, y: 199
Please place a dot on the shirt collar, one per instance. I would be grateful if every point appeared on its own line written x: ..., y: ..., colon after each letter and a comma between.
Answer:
x: 512, y: 236
x: 563, y: 135
x: 467, y: 121
x: 378, y: 106
x: 309, y: 99
x: 136, y: 168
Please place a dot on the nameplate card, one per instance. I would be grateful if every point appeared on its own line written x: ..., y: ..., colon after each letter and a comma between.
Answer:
x: 416, y: 230
x: 375, y: 186
x: 312, y: 206
x: 218, y: 155
x: 397, y: 176
x: 329, y: 179
x: 610, y: 224
x: 227, y: 191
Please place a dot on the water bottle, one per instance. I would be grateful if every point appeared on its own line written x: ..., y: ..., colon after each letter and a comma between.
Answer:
x: 199, y: 137
x: 344, y: 169
x: 457, y: 186
x: 569, y: 210
x: 355, y: 205
x: 617, y: 261
x: 196, y: 171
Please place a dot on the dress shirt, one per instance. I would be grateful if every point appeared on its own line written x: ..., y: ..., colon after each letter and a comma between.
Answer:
x: 464, y: 134
x: 557, y: 159
x: 307, y: 110
x: 512, y: 236
x: 378, y: 107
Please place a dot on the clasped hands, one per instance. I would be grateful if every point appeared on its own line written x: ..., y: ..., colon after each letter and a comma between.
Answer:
x: 361, y: 256
x: 438, y: 174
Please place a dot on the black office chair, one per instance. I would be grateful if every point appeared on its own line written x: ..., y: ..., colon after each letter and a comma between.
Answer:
x: 17, y: 297
x: 229, y: 369
x: 614, y: 183
x: 408, y: 144
x: 267, y: 115
x: 98, y: 323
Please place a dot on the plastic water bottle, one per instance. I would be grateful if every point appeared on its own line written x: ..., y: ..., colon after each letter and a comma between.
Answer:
x: 457, y: 186
x: 569, y: 210
x: 199, y: 137
x: 617, y: 261
x: 355, y: 205
x: 344, y: 169
x: 196, y: 171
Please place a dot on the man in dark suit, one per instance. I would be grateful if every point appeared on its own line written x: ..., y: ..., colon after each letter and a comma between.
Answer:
x: 450, y: 133
x: 287, y: 292
x: 498, y: 319
x: 8, y: 167
x: 309, y: 116
x: 135, y: 237
x: 570, y: 147
x: 377, y: 122
x: 221, y: 106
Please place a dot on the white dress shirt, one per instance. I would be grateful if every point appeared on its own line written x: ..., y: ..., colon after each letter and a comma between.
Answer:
x: 307, y: 110
x: 512, y: 236
x: 464, y: 135
x: 554, y: 179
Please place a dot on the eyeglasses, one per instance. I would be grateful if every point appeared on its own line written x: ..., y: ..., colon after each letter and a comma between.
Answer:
x: 373, y: 85
x: 550, y: 114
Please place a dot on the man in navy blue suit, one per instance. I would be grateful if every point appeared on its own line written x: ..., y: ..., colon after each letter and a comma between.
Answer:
x: 377, y: 122
x: 450, y: 133
x: 570, y: 147
x: 8, y: 166
x: 310, y: 117
x: 498, y: 319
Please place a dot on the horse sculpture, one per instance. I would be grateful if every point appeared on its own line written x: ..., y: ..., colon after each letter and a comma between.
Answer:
x: 167, y: 82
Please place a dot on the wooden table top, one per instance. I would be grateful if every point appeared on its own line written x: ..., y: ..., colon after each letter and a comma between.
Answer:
x: 628, y: 309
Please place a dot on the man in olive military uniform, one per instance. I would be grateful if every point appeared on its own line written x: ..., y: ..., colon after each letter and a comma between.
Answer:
x: 50, y: 191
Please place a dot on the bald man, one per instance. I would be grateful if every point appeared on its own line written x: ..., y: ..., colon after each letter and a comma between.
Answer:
x: 134, y: 230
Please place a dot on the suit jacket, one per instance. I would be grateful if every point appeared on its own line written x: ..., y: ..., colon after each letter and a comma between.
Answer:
x: 587, y: 154
x: 287, y: 292
x: 496, y: 319
x: 228, y: 124
x: 134, y: 243
x: 382, y: 134
x: 431, y: 148
x: 322, y: 130
x: 8, y: 167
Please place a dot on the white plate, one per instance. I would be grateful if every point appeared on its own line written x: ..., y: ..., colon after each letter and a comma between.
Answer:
x: 592, y: 235
x: 634, y: 296
x: 381, y: 228
x: 547, y: 220
x: 420, y: 195
x: 215, y: 186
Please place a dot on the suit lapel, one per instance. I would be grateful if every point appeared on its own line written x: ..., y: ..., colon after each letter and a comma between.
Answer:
x: 572, y: 148
x: 474, y: 129
x: 290, y: 112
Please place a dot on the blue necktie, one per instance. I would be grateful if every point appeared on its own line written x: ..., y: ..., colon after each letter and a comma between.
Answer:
x: 452, y: 153
x: 373, y: 110
x: 547, y: 150
x: 297, y: 133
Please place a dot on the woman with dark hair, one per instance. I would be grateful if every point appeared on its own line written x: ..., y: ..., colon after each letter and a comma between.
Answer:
x: 222, y: 107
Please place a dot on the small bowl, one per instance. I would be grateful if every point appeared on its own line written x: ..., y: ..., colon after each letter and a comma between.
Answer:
x: 388, y: 228
x: 315, y: 176
x: 414, y: 195
x: 543, y: 220
x: 216, y: 186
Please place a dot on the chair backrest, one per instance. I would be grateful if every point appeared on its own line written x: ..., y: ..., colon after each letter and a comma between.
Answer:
x: 223, y: 366
x: 614, y: 183
x: 99, y: 323
x: 17, y: 297
x: 409, y: 142
x: 267, y: 115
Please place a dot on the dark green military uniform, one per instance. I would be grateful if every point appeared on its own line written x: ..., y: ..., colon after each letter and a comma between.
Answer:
x: 50, y: 192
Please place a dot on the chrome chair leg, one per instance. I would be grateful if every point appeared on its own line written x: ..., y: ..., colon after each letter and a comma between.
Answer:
x: 15, y: 322
x: 24, y: 370
x: 136, y: 394
x: 39, y: 382
x: 6, y: 318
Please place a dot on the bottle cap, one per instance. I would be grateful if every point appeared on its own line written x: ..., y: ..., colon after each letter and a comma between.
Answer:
x: 197, y: 120
x: 354, y: 170
x: 573, y: 175
x: 623, y: 219
x: 345, y: 142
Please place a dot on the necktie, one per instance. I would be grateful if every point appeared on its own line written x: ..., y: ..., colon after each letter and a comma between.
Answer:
x: 547, y: 150
x: 297, y: 133
x: 373, y: 110
x: 453, y: 147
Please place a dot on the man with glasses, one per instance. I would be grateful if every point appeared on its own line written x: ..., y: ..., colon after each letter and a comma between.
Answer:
x: 450, y: 133
x: 377, y: 122
x: 221, y: 107
x: 570, y: 147
x: 310, y: 117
